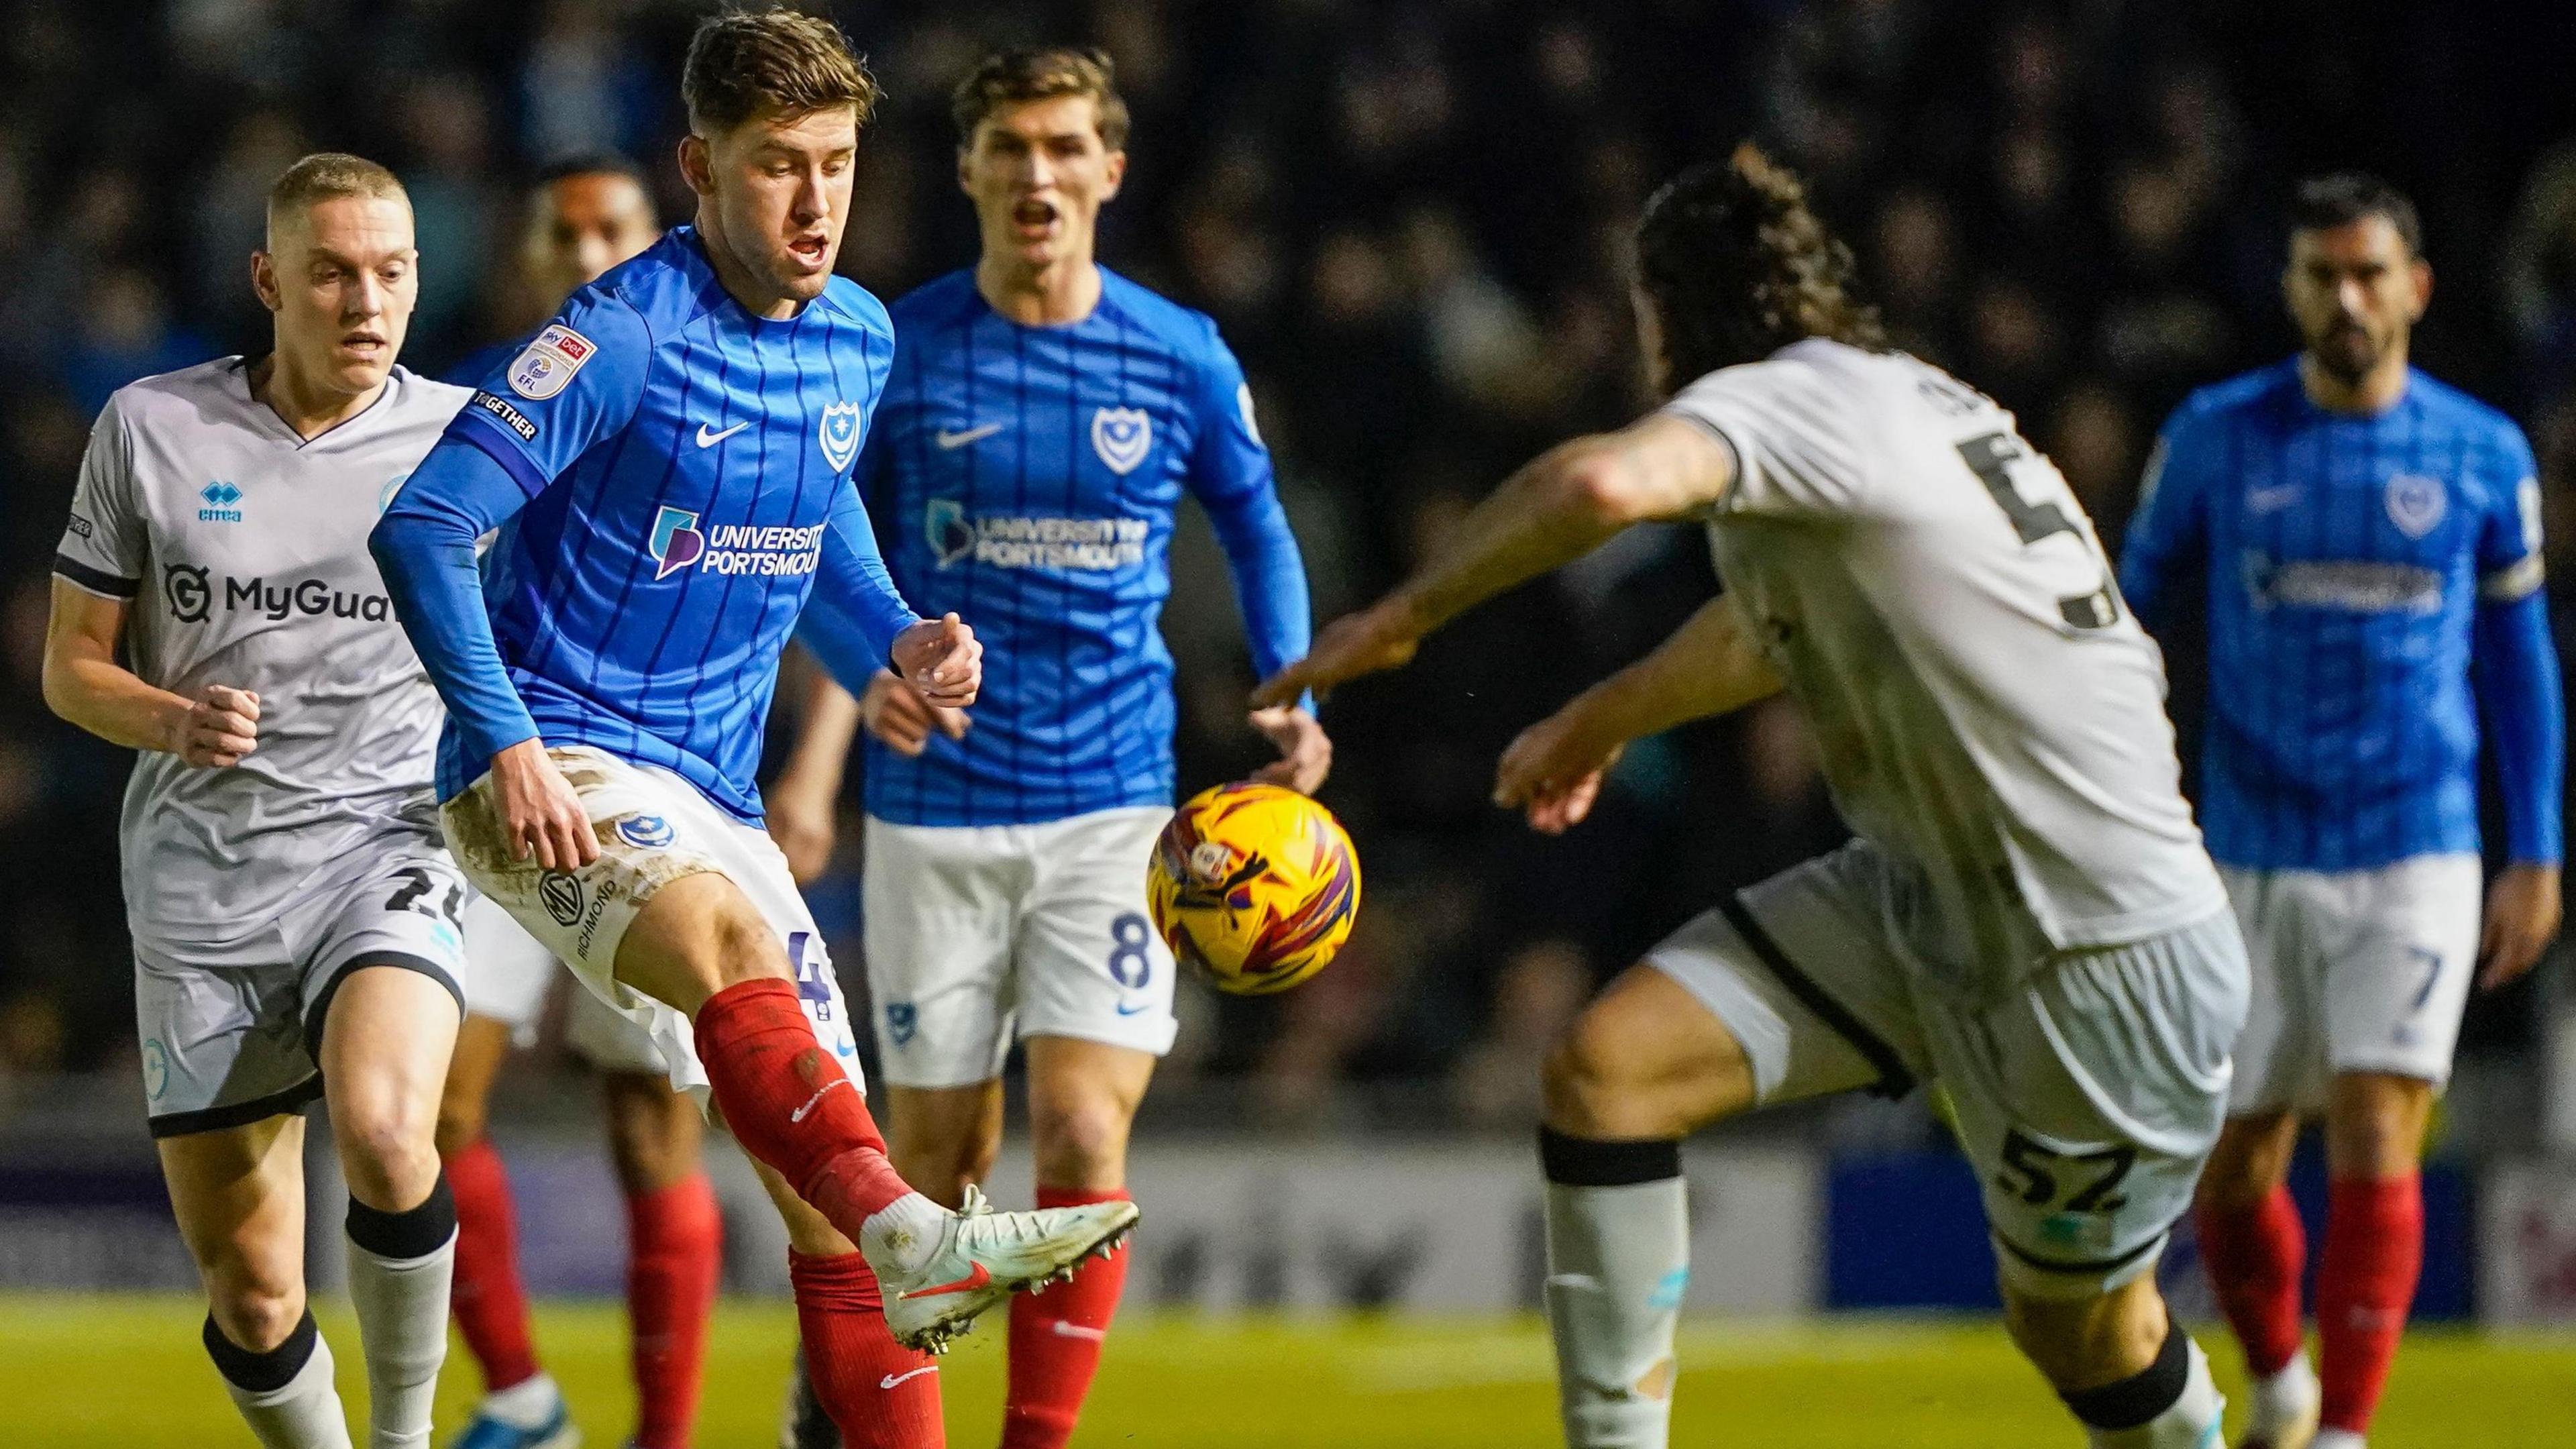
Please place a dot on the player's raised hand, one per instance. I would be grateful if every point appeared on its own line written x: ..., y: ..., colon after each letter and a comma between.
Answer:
x: 902, y: 720
x: 942, y: 660
x: 1552, y: 773
x: 1305, y: 751
x: 1380, y: 637
x: 220, y: 730
x: 541, y: 814
x: 2523, y: 913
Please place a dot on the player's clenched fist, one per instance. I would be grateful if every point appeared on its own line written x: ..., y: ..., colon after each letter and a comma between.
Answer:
x: 541, y: 814
x: 219, y: 730
x: 942, y: 660
x: 900, y: 718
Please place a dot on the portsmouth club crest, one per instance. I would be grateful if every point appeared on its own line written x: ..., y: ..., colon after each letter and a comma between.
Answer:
x: 2416, y: 503
x: 548, y: 363
x: 840, y: 434
x: 1122, y: 437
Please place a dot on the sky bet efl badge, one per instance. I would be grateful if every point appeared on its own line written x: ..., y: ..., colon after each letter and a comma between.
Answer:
x: 549, y: 363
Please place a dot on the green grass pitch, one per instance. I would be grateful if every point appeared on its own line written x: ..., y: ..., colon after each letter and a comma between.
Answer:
x: 126, y: 1373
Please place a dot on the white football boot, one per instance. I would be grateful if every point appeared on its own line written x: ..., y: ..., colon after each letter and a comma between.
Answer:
x: 985, y: 1257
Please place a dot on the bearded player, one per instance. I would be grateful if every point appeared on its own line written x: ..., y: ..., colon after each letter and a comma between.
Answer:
x: 1043, y: 421
x: 667, y: 464
x: 2026, y: 916
x: 2366, y: 532
x: 586, y: 214
x: 293, y: 910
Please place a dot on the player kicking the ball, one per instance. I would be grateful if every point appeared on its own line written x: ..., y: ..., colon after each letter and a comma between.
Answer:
x: 585, y: 215
x: 2027, y: 915
x: 2366, y: 532
x: 1043, y: 420
x: 667, y: 464
x: 294, y: 913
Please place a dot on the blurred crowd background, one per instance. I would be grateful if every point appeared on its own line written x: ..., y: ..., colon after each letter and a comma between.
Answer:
x: 1410, y: 218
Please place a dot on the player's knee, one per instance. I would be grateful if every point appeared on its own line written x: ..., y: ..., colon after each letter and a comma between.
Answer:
x: 387, y: 1152
x: 1586, y: 1088
x: 1079, y: 1144
x: 256, y: 1315
x: 745, y: 948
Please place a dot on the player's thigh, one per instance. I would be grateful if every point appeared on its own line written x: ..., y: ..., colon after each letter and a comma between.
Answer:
x: 655, y: 1132
x: 2280, y: 1057
x: 238, y: 1195
x: 2399, y: 953
x: 1091, y: 965
x: 1083, y: 1097
x: 382, y: 951
x: 222, y: 1046
x: 942, y: 908
x: 2089, y: 1100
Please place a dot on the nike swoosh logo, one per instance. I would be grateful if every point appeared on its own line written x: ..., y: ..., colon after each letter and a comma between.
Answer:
x: 709, y: 440
x: 1075, y: 1330
x: 949, y: 441
x: 968, y: 1284
x: 2271, y: 500
x: 799, y: 1114
x: 1126, y: 1010
x: 890, y: 1380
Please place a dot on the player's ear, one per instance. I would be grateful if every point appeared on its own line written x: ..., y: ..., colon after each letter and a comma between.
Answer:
x: 263, y: 279
x: 2421, y: 273
x: 1116, y: 172
x: 697, y: 164
x: 966, y: 170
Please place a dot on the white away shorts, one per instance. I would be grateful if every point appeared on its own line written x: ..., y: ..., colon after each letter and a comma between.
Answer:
x: 2354, y: 971
x: 231, y: 1034
x: 978, y: 933
x: 507, y: 976
x: 2087, y: 1100
x: 653, y: 828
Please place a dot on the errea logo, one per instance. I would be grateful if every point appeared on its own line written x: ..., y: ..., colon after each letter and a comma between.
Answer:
x: 223, y: 502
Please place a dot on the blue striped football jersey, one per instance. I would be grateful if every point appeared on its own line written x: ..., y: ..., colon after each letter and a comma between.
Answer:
x: 1025, y: 478
x: 2347, y: 560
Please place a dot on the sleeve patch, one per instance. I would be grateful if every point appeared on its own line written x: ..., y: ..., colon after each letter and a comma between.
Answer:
x: 548, y: 363
x: 2527, y: 498
x: 2514, y: 581
x: 1243, y: 404
x: 82, y: 527
x: 500, y: 411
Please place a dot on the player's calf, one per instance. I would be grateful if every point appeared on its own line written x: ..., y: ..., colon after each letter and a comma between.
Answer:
x: 2125, y: 1370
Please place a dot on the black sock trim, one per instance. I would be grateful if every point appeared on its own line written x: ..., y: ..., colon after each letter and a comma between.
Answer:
x: 2141, y: 1396
x: 1894, y: 1080
x: 1593, y: 1162
x: 414, y: 1233
x: 263, y: 1373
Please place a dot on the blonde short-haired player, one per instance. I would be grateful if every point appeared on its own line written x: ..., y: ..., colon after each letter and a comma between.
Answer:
x: 294, y: 911
x: 2026, y: 917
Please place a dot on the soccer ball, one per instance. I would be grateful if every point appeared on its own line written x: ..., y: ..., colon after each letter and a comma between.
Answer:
x: 1255, y: 886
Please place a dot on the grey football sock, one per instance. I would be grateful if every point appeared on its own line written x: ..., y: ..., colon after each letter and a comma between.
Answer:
x: 1618, y: 1259
x: 400, y: 1267
x: 285, y: 1395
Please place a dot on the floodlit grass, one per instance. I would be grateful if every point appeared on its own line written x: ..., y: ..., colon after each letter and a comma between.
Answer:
x: 127, y: 1372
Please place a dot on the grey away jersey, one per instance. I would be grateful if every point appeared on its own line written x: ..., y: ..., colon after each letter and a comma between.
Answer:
x: 1987, y: 711
x: 243, y: 549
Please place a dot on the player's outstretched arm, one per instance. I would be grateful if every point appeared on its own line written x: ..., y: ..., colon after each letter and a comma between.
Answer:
x: 84, y: 684
x: 1710, y: 666
x: 1566, y: 503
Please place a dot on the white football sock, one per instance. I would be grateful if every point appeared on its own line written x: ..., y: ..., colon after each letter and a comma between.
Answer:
x: 302, y: 1413
x: 2191, y: 1422
x: 527, y: 1404
x: 2285, y: 1398
x: 402, y: 1328
x: 1618, y: 1259
x: 2337, y: 1439
x: 906, y: 1232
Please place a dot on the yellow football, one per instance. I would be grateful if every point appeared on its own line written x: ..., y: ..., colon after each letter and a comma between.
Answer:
x: 1255, y: 885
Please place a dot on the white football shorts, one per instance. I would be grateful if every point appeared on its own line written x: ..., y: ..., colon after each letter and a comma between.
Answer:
x: 231, y: 1034
x: 653, y: 828
x: 507, y: 976
x: 979, y: 933
x: 2354, y: 971
x: 2087, y: 1100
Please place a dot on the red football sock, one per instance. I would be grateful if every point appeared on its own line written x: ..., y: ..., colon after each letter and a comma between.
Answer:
x: 674, y: 1241
x: 2365, y: 1284
x: 790, y: 1104
x: 2255, y: 1255
x: 1056, y: 1340
x: 881, y: 1394
x: 490, y: 1304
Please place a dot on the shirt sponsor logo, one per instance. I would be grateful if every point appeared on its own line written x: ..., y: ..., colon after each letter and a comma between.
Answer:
x: 1020, y: 542
x: 1122, y: 437
x: 549, y: 362
x: 2416, y: 503
x: 839, y: 434
x: 678, y: 543
x: 2351, y: 586
x: 560, y: 894
x: 223, y: 502
x: 192, y: 596
x: 646, y: 832
x: 509, y: 417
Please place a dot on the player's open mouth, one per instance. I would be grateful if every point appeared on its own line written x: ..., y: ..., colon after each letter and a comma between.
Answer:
x: 1034, y: 218
x: 809, y: 249
x: 363, y: 344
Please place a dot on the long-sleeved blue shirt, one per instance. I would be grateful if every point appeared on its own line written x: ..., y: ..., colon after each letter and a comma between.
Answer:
x: 1026, y: 478
x: 2374, y: 588
x: 668, y: 475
